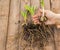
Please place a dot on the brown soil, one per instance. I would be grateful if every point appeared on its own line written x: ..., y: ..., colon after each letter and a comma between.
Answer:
x: 38, y: 34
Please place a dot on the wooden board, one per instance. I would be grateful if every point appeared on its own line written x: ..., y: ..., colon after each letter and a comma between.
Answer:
x: 12, y: 39
x: 47, y: 4
x: 4, y: 13
x: 35, y: 3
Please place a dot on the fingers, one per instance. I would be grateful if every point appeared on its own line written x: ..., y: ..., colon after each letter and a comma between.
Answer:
x: 35, y: 19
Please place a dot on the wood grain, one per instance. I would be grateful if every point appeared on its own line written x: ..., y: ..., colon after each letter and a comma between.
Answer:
x: 4, y: 12
x: 12, y: 39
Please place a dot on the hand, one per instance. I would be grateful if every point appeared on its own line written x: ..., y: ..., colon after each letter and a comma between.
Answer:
x: 49, y: 14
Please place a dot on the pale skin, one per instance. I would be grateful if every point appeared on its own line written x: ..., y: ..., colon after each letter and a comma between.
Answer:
x: 53, y: 18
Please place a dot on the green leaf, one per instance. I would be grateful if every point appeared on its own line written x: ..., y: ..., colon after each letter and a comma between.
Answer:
x: 24, y: 14
x: 42, y: 3
x: 31, y: 9
x: 27, y: 7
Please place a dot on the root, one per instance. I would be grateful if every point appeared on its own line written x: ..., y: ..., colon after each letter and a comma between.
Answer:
x: 33, y: 34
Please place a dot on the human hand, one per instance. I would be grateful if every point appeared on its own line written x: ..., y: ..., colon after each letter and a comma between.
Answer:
x: 49, y: 14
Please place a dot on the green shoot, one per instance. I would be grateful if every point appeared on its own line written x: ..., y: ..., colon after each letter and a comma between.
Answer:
x: 27, y: 7
x: 24, y: 15
x: 42, y: 3
x: 31, y: 9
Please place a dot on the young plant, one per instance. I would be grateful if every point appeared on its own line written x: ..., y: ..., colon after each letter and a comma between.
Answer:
x: 43, y: 18
x: 31, y: 9
x: 24, y: 15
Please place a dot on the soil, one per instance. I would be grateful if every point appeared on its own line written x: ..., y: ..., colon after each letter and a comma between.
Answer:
x: 38, y: 34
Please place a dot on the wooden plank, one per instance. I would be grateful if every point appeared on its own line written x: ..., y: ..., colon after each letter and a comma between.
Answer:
x: 4, y: 11
x: 57, y: 39
x: 22, y: 43
x: 55, y: 6
x: 47, y: 4
x: 12, y: 40
x: 35, y: 3
x: 56, y: 9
